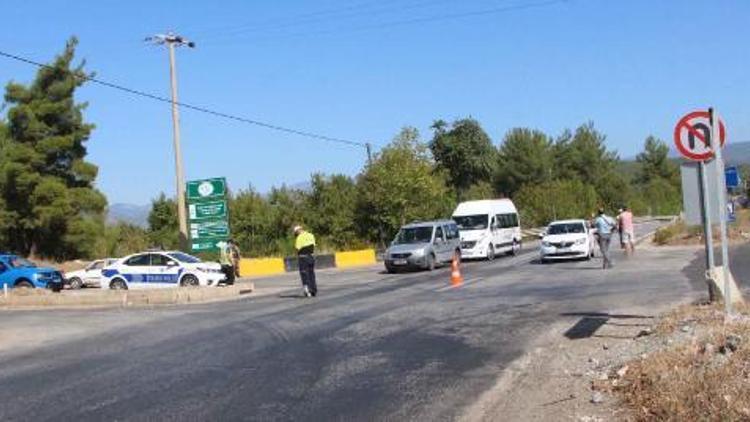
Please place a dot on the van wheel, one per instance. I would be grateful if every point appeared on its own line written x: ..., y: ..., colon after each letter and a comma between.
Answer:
x: 515, y: 248
x: 490, y: 252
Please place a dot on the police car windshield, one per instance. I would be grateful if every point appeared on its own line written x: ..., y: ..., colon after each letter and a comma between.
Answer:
x: 183, y: 257
x: 471, y: 222
x: 414, y: 235
x: 566, y: 228
x: 17, y: 262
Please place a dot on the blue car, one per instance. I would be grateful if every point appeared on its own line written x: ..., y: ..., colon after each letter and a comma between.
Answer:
x: 18, y: 272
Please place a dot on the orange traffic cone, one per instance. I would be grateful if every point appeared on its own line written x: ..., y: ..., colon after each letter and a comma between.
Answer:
x: 456, y: 278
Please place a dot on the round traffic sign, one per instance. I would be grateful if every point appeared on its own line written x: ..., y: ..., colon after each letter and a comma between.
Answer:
x: 692, y: 136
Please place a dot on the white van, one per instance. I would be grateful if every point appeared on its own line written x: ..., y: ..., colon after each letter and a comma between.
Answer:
x: 488, y: 228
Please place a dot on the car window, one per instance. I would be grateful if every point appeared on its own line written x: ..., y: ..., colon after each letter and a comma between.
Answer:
x: 451, y: 231
x: 566, y: 228
x: 439, y: 234
x: 507, y: 221
x: 158, y: 260
x: 138, y: 260
x: 413, y: 235
x: 97, y: 265
x: 183, y: 257
x: 18, y: 262
x: 472, y: 222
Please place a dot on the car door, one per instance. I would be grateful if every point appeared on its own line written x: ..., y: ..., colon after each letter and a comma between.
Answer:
x: 135, y: 270
x: 93, y: 273
x: 164, y: 271
x: 440, y: 244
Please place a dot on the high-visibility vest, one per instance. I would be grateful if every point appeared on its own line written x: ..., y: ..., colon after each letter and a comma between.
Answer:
x: 304, y: 239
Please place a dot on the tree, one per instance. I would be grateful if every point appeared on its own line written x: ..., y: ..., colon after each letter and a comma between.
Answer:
x: 122, y: 239
x: 464, y: 151
x: 583, y: 155
x: 540, y: 204
x: 525, y: 157
x: 332, y: 205
x: 253, y: 224
x: 399, y: 187
x: 655, y: 163
x: 163, y: 227
x: 45, y: 183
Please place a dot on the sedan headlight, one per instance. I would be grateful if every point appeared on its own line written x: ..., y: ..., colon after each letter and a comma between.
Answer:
x: 580, y: 241
x: 418, y: 252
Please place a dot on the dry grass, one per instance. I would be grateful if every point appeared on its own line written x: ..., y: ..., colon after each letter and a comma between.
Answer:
x: 699, y: 378
x: 680, y: 233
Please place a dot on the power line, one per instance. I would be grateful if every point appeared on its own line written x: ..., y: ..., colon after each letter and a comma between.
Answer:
x: 200, y: 109
x: 419, y: 20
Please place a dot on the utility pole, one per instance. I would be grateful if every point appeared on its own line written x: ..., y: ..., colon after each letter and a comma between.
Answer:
x: 172, y: 40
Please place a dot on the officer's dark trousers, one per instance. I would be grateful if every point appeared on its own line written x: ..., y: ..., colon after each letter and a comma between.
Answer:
x: 228, y: 271
x: 307, y: 273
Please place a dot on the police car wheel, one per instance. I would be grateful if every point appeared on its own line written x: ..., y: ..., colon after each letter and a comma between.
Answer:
x: 118, y: 285
x: 189, y: 280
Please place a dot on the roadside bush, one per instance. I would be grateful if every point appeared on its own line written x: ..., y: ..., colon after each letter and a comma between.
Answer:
x: 560, y: 199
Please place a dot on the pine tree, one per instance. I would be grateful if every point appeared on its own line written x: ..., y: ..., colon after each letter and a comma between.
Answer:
x: 51, y: 203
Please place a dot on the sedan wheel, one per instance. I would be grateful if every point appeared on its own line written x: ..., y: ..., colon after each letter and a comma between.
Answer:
x: 189, y: 281
x: 75, y: 283
x: 118, y: 285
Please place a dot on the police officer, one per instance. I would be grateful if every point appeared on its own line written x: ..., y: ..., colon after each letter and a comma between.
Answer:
x: 305, y: 246
x: 227, y: 265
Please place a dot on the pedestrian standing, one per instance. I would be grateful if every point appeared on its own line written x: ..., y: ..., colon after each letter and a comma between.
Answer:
x: 604, y: 225
x: 236, y: 256
x: 305, y: 246
x: 227, y: 266
x: 627, y: 229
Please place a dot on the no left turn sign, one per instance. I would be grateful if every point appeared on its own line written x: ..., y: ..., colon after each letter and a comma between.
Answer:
x: 692, y: 136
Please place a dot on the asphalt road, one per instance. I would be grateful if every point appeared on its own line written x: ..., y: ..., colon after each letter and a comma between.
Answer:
x: 372, y: 346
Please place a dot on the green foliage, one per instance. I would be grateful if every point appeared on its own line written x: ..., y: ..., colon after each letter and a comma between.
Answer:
x: 122, y: 239
x: 332, y: 207
x: 655, y: 163
x: 524, y: 158
x: 163, y: 225
x: 661, y: 197
x: 46, y: 187
x: 464, y: 152
x: 399, y: 187
x: 481, y: 190
x: 253, y: 224
x: 539, y: 204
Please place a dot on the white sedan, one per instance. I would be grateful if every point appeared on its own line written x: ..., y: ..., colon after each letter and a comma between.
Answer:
x: 160, y: 270
x: 567, y: 239
x: 89, y: 276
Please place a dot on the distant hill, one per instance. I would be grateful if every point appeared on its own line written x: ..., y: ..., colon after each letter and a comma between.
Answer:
x: 734, y: 153
x: 129, y: 213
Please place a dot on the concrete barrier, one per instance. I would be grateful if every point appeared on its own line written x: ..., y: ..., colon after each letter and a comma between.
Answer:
x: 355, y: 258
x: 122, y: 298
x: 255, y: 267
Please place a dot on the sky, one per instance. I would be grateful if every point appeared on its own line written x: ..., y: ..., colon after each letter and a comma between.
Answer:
x: 363, y: 69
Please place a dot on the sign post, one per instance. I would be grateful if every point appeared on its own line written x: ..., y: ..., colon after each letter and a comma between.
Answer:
x: 722, y: 192
x: 700, y: 136
x: 208, y: 213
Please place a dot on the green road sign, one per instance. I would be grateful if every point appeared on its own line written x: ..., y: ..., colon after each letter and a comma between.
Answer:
x: 200, y: 190
x: 209, y: 210
x: 206, y: 245
x: 212, y: 228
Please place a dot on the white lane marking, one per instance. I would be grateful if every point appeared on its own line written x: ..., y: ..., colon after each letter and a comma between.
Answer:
x: 451, y: 286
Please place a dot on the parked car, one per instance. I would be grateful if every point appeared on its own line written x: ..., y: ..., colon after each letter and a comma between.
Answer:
x: 17, y: 272
x: 567, y: 239
x: 488, y: 228
x: 159, y: 270
x: 89, y: 276
x: 423, y: 245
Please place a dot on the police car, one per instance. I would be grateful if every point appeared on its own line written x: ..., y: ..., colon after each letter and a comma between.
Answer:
x: 159, y: 270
